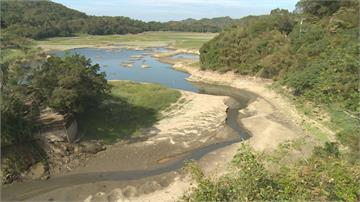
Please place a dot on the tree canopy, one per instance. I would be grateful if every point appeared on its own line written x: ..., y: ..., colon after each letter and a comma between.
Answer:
x: 314, y: 52
x: 69, y: 85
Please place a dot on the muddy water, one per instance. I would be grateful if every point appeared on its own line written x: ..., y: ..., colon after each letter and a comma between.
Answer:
x: 239, y: 99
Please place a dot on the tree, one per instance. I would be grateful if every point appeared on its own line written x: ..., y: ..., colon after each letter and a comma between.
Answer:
x: 318, y: 8
x: 70, y: 84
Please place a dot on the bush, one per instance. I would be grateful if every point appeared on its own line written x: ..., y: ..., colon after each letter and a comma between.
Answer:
x: 324, y: 177
x: 70, y: 84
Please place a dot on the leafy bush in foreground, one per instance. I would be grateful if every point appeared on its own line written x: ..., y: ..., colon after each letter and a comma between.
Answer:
x: 323, y: 177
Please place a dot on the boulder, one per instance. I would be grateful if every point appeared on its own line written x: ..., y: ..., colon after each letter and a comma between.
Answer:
x: 59, y: 148
x: 37, y: 171
x: 149, y: 187
x: 116, y: 195
x: 91, y: 147
x: 129, y: 191
x: 55, y: 138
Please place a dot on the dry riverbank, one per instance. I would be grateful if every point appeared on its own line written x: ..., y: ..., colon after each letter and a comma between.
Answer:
x: 271, y: 119
x: 194, y: 122
x: 187, y: 124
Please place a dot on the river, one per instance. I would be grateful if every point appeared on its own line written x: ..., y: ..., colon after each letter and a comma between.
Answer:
x: 140, y: 66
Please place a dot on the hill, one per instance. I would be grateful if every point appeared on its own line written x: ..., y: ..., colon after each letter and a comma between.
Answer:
x: 312, y: 53
x: 202, y: 25
x: 43, y: 19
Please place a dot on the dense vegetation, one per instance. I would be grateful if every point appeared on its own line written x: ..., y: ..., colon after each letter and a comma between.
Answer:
x: 42, y: 19
x: 202, y: 25
x: 69, y: 85
x: 314, y: 52
x: 30, y: 82
x: 322, y: 177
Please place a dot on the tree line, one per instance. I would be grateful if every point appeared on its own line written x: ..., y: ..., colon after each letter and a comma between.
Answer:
x: 42, y: 19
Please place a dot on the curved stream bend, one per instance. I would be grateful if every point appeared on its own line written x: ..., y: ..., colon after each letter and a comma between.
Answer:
x: 22, y: 191
x: 240, y: 99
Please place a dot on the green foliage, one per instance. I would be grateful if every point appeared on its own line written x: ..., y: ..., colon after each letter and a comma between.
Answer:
x: 323, y: 177
x: 202, y: 25
x: 31, y: 82
x: 351, y: 138
x: 18, y: 158
x: 131, y: 108
x: 38, y: 19
x: 149, y: 39
x: 19, y: 105
x: 8, y: 41
x: 318, y: 8
x: 15, y: 124
x: 259, y: 47
x: 43, y: 19
x: 70, y: 84
x: 315, y: 53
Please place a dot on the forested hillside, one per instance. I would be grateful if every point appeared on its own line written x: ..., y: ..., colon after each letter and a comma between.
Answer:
x: 202, y: 25
x: 42, y: 19
x: 313, y: 50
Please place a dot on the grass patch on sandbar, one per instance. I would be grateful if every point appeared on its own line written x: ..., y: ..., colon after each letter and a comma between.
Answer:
x: 187, y: 40
x: 131, y: 108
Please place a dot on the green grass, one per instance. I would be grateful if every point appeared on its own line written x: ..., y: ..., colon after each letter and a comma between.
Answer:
x: 132, y: 108
x: 11, y: 54
x: 186, y: 40
x: 346, y: 127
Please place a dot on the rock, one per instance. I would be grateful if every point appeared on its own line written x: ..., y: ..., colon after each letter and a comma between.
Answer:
x: 77, y: 148
x: 45, y: 177
x: 99, y: 194
x: 55, y: 138
x: 116, y: 195
x: 9, y: 178
x: 129, y: 191
x: 88, y: 199
x: 91, y: 147
x: 59, y: 149
x: 149, y: 187
x: 37, y: 171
